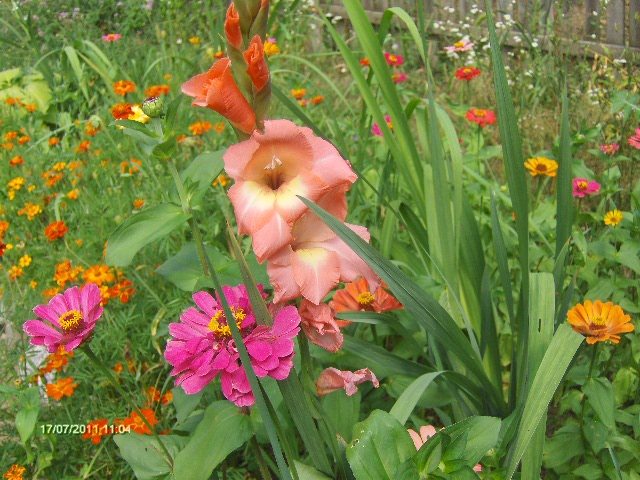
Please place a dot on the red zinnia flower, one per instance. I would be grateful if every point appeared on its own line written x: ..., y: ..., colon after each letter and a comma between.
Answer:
x: 467, y: 73
x: 481, y: 116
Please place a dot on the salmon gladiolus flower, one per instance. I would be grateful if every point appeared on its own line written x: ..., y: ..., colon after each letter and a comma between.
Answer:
x: 599, y: 321
x: 320, y: 327
x: 256, y: 65
x: 68, y: 319
x: 332, y: 379
x: 316, y: 260
x: 232, y: 27
x: 270, y: 169
x: 217, y: 90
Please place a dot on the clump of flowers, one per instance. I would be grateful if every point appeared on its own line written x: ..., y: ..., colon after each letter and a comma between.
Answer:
x: 583, y: 187
x: 599, y: 321
x: 481, y: 116
x: 200, y: 128
x: 67, y: 320
x: 542, y: 166
x: 202, y: 347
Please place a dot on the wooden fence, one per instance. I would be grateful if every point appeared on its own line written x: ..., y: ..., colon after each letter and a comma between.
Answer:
x: 591, y: 26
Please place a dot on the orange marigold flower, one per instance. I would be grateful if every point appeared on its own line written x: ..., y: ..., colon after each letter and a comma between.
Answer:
x: 157, y: 90
x: 50, y: 292
x: 83, y: 146
x: 12, y: 101
x: 121, y: 111
x: 131, y: 167
x: 53, y: 141
x: 12, y: 135
x: 64, y: 387
x: 317, y: 100
x: 4, y: 227
x: 356, y: 296
x: 123, y: 87
x: 15, y: 272
x: 298, y: 93
x: 96, y: 429
x: 219, y: 127
x: 599, y: 321
x: 56, y: 230
x: 167, y: 398
x: 138, y: 203
x: 118, y: 368
x: 200, y: 128
x: 8, y: 146
x: 99, y: 274
x: 24, y: 139
x: 66, y: 273
x: 31, y: 107
x: 3, y: 248
x: 15, y: 472
x: 153, y: 395
x: 137, y: 424
x: 221, y: 180
x: 17, y: 160
x: 123, y: 291
x: 57, y: 360
x: 91, y: 129
x: 73, y: 194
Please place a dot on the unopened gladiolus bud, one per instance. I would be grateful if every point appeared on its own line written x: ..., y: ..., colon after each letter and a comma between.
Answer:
x: 153, y: 107
x: 256, y: 65
x: 232, y: 27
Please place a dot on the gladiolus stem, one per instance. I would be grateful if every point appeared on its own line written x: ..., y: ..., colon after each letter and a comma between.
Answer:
x: 594, y: 355
x: 92, y: 356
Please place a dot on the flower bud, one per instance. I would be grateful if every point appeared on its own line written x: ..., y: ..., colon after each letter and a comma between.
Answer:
x: 153, y: 107
x: 232, y: 27
x: 256, y: 65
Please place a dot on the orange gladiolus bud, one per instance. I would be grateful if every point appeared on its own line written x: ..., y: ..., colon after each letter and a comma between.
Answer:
x: 217, y: 90
x: 232, y: 27
x: 256, y: 65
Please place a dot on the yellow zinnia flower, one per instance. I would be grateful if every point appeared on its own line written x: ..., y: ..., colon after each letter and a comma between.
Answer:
x: 613, y: 218
x: 541, y: 166
x: 599, y: 321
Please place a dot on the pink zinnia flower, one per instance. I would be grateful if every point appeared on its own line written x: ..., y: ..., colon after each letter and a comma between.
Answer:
x: 583, y: 187
x: 611, y: 148
x: 320, y: 327
x: 270, y: 169
x: 111, y: 37
x: 393, y: 60
x: 634, y: 140
x: 399, y: 77
x: 377, y: 131
x: 68, y: 319
x: 202, y: 346
x: 316, y: 260
x: 332, y: 379
x: 462, y: 45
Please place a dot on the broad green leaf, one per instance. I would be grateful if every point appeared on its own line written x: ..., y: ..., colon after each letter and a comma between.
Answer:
x: 565, y: 202
x: 601, y: 397
x: 481, y: 436
x: 184, y: 404
x: 145, y: 456
x: 141, y: 229
x: 203, y: 169
x: 27, y: 416
x: 223, y: 429
x: 556, y: 360
x: 341, y: 413
x: 410, y: 397
x: 305, y: 472
x: 380, y: 447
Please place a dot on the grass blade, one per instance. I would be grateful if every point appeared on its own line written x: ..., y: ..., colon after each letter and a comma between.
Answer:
x: 407, y: 401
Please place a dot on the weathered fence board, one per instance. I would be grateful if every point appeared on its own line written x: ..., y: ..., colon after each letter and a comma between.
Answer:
x: 583, y: 23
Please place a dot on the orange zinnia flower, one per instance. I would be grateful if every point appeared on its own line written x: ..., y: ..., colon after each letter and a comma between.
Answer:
x: 217, y: 90
x: 56, y: 230
x: 64, y: 387
x: 96, y: 429
x: 256, y: 65
x: 356, y: 296
x: 122, y: 87
x: 599, y: 321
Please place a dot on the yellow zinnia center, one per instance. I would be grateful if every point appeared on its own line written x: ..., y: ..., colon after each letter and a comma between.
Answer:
x: 365, y: 298
x: 459, y: 44
x: 70, y: 320
x: 222, y: 329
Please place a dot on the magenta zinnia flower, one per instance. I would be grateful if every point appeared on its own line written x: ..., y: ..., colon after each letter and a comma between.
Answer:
x: 583, y: 187
x: 202, y: 346
x: 377, y: 131
x: 68, y: 319
x: 634, y: 140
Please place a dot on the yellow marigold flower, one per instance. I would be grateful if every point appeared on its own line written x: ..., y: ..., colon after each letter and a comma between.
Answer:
x: 31, y: 187
x: 195, y: 40
x: 74, y: 165
x: 33, y: 284
x: 599, y: 321
x: 11, y: 194
x: 59, y: 166
x: 8, y: 146
x: 541, y: 166
x: 73, y: 194
x: 24, y: 261
x: 298, y: 93
x: 16, y: 472
x: 271, y: 48
x: 16, y: 183
x: 91, y: 129
x: 221, y: 180
x: 219, y: 127
x: 613, y: 218
x: 200, y: 128
x: 15, y: 272
x: 31, y: 210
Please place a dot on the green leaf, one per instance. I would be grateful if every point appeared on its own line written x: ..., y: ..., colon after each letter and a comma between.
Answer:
x: 379, y: 448
x: 223, y: 429
x: 141, y: 229
x: 203, y: 169
x: 600, y: 395
x: 410, y: 397
x: 565, y: 214
x: 556, y: 360
x: 305, y: 472
x: 482, y: 435
x: 184, y: 404
x: 27, y: 416
x: 342, y: 412
x: 145, y: 456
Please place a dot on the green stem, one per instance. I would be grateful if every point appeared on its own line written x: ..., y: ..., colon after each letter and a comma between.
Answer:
x: 594, y: 354
x: 92, y: 356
